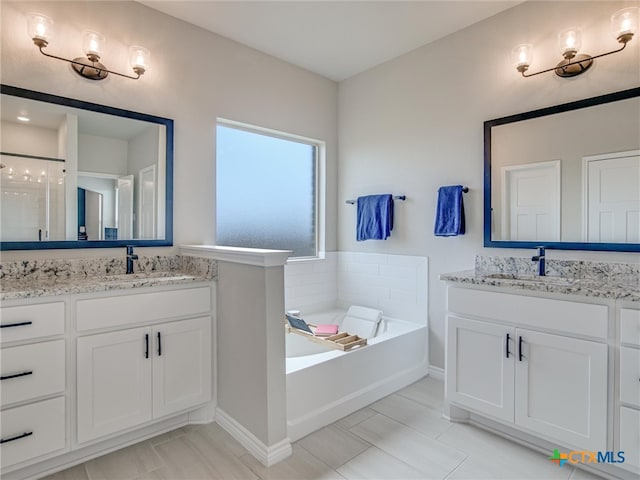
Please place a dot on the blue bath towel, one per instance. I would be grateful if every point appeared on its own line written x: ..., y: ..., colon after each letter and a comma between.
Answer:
x: 375, y: 217
x: 449, y: 212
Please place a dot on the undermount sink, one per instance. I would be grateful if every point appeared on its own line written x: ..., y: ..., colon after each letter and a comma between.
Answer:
x: 533, y: 278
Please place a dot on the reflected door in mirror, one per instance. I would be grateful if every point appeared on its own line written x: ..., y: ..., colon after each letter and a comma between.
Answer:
x: 613, y: 197
x: 531, y: 201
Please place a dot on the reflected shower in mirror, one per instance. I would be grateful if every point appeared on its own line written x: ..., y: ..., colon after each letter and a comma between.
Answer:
x: 75, y: 174
x: 567, y: 177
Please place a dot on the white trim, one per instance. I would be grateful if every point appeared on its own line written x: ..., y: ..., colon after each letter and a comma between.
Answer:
x: 267, y: 455
x: 436, y: 373
x: 320, y: 173
x: 109, y: 176
x: 141, y: 173
x: 248, y: 256
x: 247, y: 127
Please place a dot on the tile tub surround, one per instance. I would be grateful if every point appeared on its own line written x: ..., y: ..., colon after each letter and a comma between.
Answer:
x: 395, y: 284
x: 38, y: 278
x: 591, y: 279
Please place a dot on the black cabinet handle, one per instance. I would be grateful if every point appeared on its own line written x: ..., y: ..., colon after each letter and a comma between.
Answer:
x: 20, y: 324
x: 159, y: 345
x: 507, y: 346
x: 146, y: 345
x: 16, y: 375
x: 520, y: 356
x: 17, y: 437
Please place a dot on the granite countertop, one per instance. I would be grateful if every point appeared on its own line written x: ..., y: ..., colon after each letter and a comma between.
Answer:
x: 16, y: 289
x: 623, y: 288
x: 33, y: 279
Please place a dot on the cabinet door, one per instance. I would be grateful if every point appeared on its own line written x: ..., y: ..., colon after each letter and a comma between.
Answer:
x: 181, y: 365
x: 113, y: 382
x: 561, y: 389
x: 630, y: 438
x: 480, y: 362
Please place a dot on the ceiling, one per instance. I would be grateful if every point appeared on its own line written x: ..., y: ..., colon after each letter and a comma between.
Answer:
x: 51, y: 116
x: 335, y: 39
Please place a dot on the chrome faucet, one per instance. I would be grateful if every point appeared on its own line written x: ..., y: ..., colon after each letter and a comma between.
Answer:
x: 130, y: 258
x: 540, y: 259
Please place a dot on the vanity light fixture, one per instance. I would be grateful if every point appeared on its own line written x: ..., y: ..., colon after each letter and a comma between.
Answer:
x: 39, y: 28
x: 624, y: 23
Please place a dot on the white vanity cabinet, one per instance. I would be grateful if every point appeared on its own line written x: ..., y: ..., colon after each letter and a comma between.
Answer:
x: 629, y: 387
x: 503, y: 362
x: 131, y: 376
x: 32, y: 382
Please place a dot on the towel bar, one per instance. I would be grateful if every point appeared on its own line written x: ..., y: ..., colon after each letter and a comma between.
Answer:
x: 395, y: 197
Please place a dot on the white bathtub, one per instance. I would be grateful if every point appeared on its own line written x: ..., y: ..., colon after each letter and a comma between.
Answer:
x: 325, y: 385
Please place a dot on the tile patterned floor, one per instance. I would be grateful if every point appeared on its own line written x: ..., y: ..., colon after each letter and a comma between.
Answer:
x: 399, y: 437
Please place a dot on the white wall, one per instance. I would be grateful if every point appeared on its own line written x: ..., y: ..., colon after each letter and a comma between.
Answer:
x: 416, y: 122
x: 194, y: 77
x: 29, y: 140
x: 99, y: 154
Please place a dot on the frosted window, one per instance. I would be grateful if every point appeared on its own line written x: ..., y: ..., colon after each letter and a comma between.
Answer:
x: 265, y: 192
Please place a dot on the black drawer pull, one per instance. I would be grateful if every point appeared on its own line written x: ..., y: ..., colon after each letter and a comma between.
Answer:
x: 159, y: 345
x: 21, y: 324
x: 16, y: 375
x: 146, y: 342
x: 507, y: 345
x: 17, y: 437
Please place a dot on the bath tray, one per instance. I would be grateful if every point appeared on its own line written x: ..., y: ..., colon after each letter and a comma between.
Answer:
x: 340, y: 341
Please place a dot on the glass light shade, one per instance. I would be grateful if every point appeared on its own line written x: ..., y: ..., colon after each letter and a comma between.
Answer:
x: 139, y: 58
x: 570, y: 41
x: 522, y: 55
x: 625, y: 21
x: 39, y: 27
x: 93, y: 43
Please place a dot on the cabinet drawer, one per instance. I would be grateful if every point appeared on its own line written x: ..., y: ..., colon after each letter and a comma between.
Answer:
x: 571, y: 317
x: 31, y: 321
x: 127, y: 309
x: 31, y: 371
x: 32, y: 430
x: 630, y: 376
x: 630, y: 437
x: 630, y: 326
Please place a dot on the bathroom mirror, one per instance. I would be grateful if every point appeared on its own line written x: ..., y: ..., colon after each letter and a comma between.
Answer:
x: 565, y: 177
x: 75, y: 174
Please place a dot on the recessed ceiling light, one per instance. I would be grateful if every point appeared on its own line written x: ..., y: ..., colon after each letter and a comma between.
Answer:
x: 24, y: 119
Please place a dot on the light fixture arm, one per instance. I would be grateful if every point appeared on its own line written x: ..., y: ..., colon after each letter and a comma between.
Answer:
x: 101, y: 70
x: 588, y: 60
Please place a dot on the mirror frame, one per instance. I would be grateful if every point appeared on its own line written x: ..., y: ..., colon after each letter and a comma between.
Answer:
x: 94, y: 107
x: 565, y: 107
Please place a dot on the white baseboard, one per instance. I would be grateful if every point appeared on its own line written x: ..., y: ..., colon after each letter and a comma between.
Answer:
x: 436, y: 372
x: 267, y: 455
x: 203, y: 415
